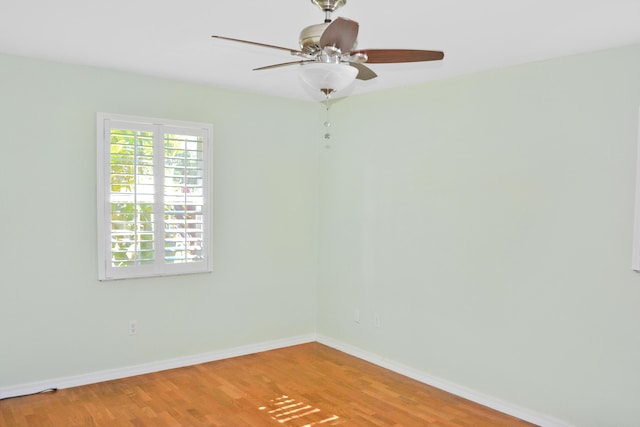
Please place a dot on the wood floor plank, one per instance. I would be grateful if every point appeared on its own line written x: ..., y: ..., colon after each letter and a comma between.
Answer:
x: 306, y: 385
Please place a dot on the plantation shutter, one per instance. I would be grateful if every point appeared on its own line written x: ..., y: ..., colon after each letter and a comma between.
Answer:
x: 183, y: 197
x: 155, y: 205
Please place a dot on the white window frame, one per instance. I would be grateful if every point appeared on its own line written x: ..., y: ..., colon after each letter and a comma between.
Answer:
x: 105, y: 122
x: 635, y: 256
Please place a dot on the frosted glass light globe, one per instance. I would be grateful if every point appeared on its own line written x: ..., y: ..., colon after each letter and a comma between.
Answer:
x: 328, y: 77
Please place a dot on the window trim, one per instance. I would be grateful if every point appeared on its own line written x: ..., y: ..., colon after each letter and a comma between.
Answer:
x: 635, y: 253
x: 106, y: 272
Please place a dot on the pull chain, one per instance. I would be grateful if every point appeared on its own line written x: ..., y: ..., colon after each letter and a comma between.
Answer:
x: 327, y: 123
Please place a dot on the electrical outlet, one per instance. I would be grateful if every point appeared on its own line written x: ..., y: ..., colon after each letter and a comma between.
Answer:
x: 376, y: 320
x: 133, y: 327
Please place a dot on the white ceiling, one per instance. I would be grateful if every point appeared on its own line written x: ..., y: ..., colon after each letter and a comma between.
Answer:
x: 172, y: 38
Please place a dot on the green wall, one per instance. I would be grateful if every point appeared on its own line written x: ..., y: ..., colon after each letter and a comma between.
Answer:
x: 487, y: 220
x: 57, y: 319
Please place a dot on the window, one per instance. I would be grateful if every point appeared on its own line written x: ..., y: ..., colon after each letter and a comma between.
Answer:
x: 635, y: 261
x: 153, y: 197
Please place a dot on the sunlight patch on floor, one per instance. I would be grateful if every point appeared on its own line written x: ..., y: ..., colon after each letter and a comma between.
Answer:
x: 285, y: 409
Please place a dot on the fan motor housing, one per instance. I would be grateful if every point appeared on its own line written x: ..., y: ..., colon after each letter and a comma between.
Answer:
x: 310, y: 37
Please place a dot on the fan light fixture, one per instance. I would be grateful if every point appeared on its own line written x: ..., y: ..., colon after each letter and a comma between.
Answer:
x: 328, y: 59
x: 328, y: 77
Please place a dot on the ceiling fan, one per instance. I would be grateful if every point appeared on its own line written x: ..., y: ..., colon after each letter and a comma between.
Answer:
x: 330, y: 58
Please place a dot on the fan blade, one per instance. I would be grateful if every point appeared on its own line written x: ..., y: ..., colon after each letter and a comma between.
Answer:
x: 341, y: 33
x: 291, y: 51
x: 390, y: 56
x: 364, y: 72
x: 284, y: 64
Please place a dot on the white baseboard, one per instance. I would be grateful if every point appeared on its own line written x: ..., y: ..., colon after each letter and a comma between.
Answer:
x: 477, y: 397
x: 118, y: 373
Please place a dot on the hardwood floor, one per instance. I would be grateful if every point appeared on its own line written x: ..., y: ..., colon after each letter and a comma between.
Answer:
x: 304, y: 385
